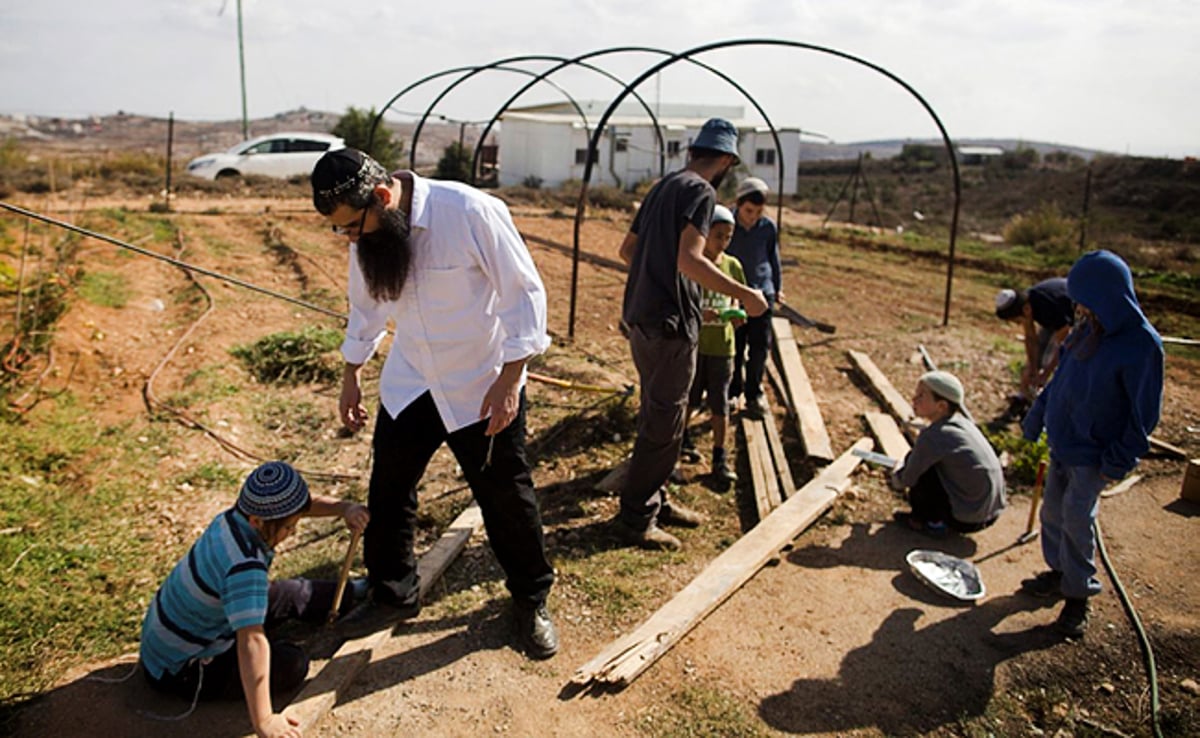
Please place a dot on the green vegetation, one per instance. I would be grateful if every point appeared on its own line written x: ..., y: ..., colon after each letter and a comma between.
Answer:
x: 355, y: 128
x: 72, y: 542
x: 702, y: 712
x: 1024, y: 455
x: 106, y: 289
x: 293, y: 357
x: 455, y: 163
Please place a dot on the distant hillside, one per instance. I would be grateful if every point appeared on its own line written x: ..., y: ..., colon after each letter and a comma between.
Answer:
x: 892, y: 147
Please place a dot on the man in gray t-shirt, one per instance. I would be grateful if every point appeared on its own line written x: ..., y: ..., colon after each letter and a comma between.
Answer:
x: 665, y: 253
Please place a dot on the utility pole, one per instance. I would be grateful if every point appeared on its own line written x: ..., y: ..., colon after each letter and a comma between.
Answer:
x: 242, y: 69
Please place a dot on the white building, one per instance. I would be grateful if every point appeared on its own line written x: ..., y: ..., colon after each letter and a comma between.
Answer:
x: 548, y: 144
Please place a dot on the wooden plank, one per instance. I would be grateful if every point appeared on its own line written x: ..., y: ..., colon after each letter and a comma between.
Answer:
x: 809, y: 423
x: 1121, y: 486
x: 768, y: 464
x: 626, y: 658
x: 787, y: 486
x: 758, y: 475
x: 320, y: 694
x: 780, y: 387
x: 1163, y: 447
x: 894, y: 402
x: 887, y: 434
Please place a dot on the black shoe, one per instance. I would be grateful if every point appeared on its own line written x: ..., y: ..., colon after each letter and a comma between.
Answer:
x: 534, y: 630
x: 407, y: 605
x: 721, y: 468
x: 1046, y: 584
x: 1073, y: 620
x: 676, y: 476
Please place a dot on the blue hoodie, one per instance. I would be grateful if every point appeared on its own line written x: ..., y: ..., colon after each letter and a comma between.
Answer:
x: 1106, y: 395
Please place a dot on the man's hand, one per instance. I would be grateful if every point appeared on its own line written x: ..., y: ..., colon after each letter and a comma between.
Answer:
x: 279, y: 725
x: 503, y: 398
x: 350, y: 407
x: 755, y: 303
x: 356, y: 516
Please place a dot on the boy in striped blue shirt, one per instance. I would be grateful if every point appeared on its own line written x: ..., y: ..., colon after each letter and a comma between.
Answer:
x: 203, y: 635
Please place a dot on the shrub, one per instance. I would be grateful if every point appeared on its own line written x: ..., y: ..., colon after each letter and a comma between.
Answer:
x: 355, y: 128
x: 455, y: 163
x: 1045, y: 230
x: 293, y: 357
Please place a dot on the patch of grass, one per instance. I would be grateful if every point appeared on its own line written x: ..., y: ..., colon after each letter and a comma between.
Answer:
x: 702, y: 712
x: 293, y: 357
x: 106, y: 289
x: 80, y: 559
x: 211, y: 475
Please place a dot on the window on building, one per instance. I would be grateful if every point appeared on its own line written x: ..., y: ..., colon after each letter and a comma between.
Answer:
x: 581, y: 156
x: 673, y: 148
x: 622, y: 145
x: 764, y: 156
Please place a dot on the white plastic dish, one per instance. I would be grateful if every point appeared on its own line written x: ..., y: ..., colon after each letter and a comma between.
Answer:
x: 947, y: 574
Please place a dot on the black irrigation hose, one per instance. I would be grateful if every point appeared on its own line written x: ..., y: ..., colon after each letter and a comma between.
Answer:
x: 169, y: 260
x: 1143, y: 640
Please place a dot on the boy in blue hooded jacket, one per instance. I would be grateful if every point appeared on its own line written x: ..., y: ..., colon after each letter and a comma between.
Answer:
x: 1098, y: 411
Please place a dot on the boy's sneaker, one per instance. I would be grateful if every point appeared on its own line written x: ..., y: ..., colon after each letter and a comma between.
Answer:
x: 721, y: 468
x: 757, y: 408
x: 1045, y: 584
x: 688, y: 452
x: 651, y: 538
x: 675, y: 514
x: 1073, y: 620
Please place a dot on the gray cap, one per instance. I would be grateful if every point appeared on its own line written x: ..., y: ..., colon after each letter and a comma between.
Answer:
x: 717, y: 134
x: 752, y: 184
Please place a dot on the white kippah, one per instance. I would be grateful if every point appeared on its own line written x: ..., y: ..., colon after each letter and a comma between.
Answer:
x: 1004, y: 298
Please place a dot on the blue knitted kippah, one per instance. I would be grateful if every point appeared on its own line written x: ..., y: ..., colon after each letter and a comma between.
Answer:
x: 272, y: 491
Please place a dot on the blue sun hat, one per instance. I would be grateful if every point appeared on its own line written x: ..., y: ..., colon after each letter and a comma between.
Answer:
x: 717, y: 134
x: 273, y: 491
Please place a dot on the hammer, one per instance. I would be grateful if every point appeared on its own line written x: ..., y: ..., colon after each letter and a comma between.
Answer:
x: 1030, y: 531
x: 343, y: 577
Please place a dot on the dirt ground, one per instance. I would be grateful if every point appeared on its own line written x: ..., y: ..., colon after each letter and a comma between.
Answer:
x: 834, y: 638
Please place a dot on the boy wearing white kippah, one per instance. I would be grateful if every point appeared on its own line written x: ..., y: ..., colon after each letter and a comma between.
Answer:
x: 203, y: 635
x: 953, y: 476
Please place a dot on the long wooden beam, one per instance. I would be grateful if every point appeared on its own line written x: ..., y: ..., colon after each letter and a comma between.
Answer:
x: 623, y: 660
x: 320, y: 694
x: 887, y: 434
x: 894, y: 402
x: 809, y: 422
x: 759, y: 474
x: 787, y: 485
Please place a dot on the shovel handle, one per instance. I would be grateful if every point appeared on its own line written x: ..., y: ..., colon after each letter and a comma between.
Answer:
x: 1037, y: 496
x: 344, y: 576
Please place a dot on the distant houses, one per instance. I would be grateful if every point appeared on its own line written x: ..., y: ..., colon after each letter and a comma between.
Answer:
x: 546, y: 145
x: 978, y: 155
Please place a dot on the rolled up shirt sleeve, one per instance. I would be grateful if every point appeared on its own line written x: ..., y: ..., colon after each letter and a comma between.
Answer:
x: 367, y: 324
x: 520, y: 294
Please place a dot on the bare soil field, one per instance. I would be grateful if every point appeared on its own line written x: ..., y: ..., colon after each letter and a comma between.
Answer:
x: 834, y: 638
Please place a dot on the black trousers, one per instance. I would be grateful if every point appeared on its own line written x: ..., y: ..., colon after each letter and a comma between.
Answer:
x: 748, y: 370
x: 305, y: 599
x: 503, y: 488
x: 931, y: 503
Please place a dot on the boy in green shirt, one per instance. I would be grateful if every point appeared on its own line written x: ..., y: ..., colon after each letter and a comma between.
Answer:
x: 714, y: 357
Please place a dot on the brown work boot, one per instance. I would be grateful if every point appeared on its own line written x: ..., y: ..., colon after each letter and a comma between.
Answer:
x: 652, y: 538
x: 672, y: 513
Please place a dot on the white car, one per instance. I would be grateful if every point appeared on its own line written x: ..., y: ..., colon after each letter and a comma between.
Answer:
x: 276, y: 155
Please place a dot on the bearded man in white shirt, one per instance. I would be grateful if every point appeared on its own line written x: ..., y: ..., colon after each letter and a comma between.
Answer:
x: 446, y: 264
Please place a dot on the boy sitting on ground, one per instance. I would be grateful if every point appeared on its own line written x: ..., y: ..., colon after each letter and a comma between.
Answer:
x: 952, y: 474
x: 203, y: 636
x: 714, y: 355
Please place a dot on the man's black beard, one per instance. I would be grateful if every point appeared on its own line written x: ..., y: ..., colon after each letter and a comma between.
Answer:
x: 384, y: 255
x: 719, y: 178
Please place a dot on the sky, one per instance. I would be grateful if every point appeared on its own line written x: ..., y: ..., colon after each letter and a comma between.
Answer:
x: 1121, y: 76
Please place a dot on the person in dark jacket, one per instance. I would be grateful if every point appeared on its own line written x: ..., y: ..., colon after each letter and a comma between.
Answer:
x: 1045, y: 312
x: 1098, y: 412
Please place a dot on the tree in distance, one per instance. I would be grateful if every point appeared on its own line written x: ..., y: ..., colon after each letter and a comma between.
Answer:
x: 355, y: 128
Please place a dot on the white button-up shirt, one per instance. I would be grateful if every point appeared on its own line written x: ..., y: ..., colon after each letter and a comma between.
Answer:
x: 473, y: 302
